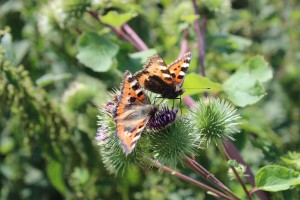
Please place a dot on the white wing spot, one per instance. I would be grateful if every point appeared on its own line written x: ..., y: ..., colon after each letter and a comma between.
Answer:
x: 166, y: 75
x: 181, y: 73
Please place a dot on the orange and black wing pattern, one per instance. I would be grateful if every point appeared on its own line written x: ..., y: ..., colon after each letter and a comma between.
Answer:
x: 161, y: 79
x: 132, y: 112
x: 179, y: 68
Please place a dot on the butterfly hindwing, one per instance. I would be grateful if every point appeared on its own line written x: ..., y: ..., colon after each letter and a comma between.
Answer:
x: 132, y: 112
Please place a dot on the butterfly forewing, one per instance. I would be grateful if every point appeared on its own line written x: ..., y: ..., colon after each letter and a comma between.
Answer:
x: 161, y: 79
x: 179, y: 67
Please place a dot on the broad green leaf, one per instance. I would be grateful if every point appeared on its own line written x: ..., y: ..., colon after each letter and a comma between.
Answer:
x: 228, y: 43
x: 275, y: 178
x: 117, y: 20
x: 55, y: 174
x: 142, y: 56
x: 6, y: 144
x: 194, y: 84
x: 189, y: 18
x: 244, y: 87
x: 96, y: 52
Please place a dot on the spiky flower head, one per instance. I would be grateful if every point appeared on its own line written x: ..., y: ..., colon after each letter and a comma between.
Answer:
x: 214, y: 120
x: 173, y: 143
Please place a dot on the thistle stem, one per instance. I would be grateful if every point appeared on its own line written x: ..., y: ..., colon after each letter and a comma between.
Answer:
x: 233, y: 153
x: 188, y: 179
x: 119, y: 32
x: 200, y: 38
x: 208, y: 176
x: 184, y: 43
x: 140, y: 43
x: 239, y: 179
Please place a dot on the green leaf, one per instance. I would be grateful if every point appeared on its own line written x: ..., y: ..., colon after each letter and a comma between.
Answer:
x: 189, y: 18
x: 194, y: 84
x: 117, y: 20
x: 142, y: 56
x: 275, y: 178
x: 96, y: 52
x: 55, y: 174
x: 244, y: 87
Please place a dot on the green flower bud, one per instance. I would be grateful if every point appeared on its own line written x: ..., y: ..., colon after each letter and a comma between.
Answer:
x: 214, y: 120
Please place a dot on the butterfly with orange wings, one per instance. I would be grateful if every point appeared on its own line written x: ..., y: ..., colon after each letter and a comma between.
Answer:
x: 132, y: 112
x: 165, y: 80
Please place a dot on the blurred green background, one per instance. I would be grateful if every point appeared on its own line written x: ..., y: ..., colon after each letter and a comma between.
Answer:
x: 58, y: 63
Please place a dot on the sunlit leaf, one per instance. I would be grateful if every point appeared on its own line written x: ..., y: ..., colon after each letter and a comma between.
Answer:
x: 96, y: 52
x: 194, y: 84
x: 117, y: 20
x: 275, y: 178
x: 55, y: 174
x: 189, y: 18
x: 245, y: 87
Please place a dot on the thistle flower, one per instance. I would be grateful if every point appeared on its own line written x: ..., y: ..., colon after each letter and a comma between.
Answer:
x: 102, y: 135
x: 173, y: 143
x: 214, y: 120
x: 162, y: 118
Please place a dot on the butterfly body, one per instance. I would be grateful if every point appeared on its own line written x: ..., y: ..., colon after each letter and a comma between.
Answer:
x: 132, y: 112
x: 165, y: 80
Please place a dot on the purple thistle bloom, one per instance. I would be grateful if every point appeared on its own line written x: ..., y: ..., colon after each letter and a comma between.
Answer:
x: 162, y: 118
x: 102, y: 135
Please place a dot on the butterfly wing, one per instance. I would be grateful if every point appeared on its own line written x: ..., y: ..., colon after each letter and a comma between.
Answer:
x: 156, y: 76
x: 132, y: 112
x: 179, y: 67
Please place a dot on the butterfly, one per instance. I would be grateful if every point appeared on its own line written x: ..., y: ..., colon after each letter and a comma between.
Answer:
x: 165, y: 80
x: 132, y: 112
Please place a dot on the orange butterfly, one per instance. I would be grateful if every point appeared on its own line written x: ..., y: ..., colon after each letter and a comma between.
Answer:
x: 165, y: 80
x: 132, y: 112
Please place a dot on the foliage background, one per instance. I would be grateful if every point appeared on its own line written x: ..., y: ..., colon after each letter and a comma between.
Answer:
x: 53, y: 78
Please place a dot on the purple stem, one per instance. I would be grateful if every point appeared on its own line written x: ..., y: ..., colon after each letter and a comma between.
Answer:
x: 239, y: 179
x: 233, y: 153
x: 184, y: 43
x: 188, y: 179
x: 208, y: 176
x: 119, y: 32
x: 200, y: 38
x: 140, y: 43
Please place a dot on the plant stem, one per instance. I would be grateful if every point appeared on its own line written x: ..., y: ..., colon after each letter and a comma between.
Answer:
x: 233, y: 153
x: 140, y: 43
x: 119, y: 32
x: 239, y: 179
x: 208, y: 176
x: 188, y: 179
x: 184, y: 43
x: 200, y: 38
